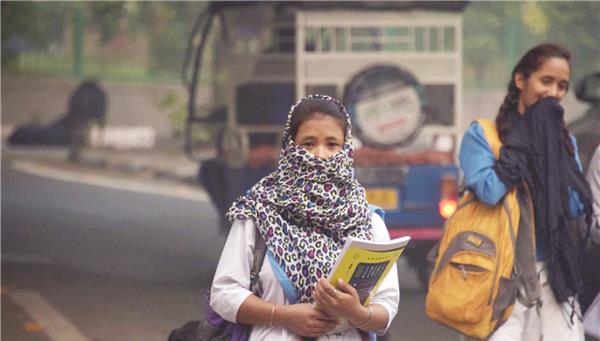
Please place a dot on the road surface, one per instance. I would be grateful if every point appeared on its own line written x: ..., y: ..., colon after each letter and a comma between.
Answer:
x: 109, y: 264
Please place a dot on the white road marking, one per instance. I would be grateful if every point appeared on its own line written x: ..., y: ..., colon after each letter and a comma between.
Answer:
x: 55, y: 325
x: 170, y: 190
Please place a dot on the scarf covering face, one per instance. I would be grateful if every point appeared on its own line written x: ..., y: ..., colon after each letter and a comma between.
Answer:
x: 551, y: 172
x: 307, y: 208
x: 555, y: 173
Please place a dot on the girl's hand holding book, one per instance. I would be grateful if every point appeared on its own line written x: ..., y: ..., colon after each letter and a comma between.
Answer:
x: 341, y: 302
x: 305, y: 319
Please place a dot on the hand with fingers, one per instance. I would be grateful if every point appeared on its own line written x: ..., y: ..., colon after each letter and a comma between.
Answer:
x: 341, y: 302
x: 306, y: 320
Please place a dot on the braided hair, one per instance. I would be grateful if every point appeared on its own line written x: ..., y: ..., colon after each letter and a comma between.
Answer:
x: 529, y: 63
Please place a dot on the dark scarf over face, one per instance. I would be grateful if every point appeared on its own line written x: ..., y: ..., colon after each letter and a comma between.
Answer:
x: 307, y: 208
x: 535, y: 151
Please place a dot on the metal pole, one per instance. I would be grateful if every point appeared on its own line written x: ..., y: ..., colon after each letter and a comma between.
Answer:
x: 78, y: 42
x: 512, y: 36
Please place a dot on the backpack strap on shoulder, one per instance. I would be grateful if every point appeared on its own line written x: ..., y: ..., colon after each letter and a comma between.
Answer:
x: 377, y: 210
x: 525, y: 258
x: 286, y: 284
x: 260, y: 250
x: 491, y: 135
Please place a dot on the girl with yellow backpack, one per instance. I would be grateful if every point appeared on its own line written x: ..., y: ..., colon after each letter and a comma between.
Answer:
x: 527, y: 162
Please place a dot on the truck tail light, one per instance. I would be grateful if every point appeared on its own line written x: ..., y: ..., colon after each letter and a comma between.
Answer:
x: 448, y: 196
x: 447, y: 207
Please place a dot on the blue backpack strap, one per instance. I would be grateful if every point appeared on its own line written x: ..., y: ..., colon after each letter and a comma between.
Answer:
x: 288, y: 288
x: 376, y: 209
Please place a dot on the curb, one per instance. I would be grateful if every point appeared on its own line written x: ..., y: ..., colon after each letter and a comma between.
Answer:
x: 169, y: 189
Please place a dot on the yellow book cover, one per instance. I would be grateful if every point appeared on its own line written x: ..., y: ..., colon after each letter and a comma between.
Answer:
x: 364, y: 264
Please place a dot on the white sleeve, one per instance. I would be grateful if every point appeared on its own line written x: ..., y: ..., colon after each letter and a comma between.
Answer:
x: 388, y: 294
x: 232, y: 277
x: 593, y: 178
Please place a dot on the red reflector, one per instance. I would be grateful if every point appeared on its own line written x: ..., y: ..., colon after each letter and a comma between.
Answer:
x: 447, y: 207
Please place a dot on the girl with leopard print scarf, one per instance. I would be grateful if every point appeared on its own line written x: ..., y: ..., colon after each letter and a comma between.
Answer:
x: 305, y: 210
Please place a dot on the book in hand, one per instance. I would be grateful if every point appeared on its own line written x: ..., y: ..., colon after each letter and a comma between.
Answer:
x: 365, y: 263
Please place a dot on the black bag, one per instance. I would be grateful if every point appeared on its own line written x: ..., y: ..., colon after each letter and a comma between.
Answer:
x: 193, y: 331
x: 214, y: 327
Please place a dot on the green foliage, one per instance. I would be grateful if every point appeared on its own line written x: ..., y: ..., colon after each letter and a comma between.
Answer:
x: 26, y: 27
x: 32, y: 37
x: 106, y: 16
x: 576, y: 25
x: 167, y: 25
x: 482, y: 43
x: 176, y: 108
x: 496, y: 34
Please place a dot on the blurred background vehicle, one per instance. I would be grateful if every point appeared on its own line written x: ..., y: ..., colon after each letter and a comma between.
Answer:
x: 397, y: 66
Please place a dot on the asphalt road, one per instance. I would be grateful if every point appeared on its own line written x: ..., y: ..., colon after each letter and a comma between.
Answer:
x: 119, y: 265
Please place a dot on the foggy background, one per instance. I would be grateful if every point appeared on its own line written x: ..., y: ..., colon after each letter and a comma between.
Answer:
x: 136, y: 49
x: 121, y: 245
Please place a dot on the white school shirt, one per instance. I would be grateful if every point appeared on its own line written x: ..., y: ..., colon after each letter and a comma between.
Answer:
x: 232, y: 280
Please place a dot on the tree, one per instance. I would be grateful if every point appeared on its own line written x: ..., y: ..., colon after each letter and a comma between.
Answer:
x: 497, y: 33
x: 25, y: 27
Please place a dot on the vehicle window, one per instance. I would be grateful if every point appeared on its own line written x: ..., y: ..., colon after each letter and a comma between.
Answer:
x: 441, y: 104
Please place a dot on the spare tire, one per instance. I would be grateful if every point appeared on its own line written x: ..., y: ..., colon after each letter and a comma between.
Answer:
x: 387, y: 104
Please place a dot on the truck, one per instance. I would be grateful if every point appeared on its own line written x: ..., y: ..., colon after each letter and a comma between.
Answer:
x: 397, y: 67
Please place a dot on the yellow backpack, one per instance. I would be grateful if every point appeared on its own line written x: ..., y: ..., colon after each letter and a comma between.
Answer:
x: 473, y: 285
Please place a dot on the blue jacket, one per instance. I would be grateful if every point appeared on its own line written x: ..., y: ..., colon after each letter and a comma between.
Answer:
x: 476, y: 160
